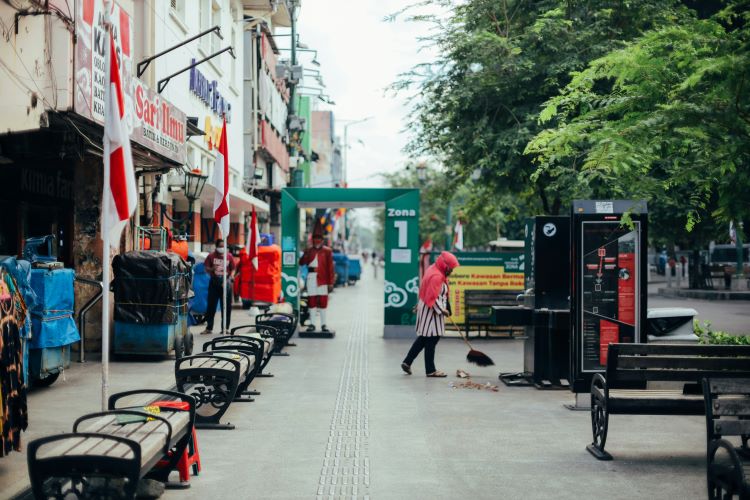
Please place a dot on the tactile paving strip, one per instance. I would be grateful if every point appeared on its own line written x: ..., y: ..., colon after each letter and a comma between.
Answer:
x: 346, y: 466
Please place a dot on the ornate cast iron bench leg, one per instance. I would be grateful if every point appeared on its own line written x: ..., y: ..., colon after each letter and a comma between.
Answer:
x: 599, y: 417
x: 213, y: 388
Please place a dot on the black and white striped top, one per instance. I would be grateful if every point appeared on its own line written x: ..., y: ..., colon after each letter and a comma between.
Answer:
x: 431, y: 320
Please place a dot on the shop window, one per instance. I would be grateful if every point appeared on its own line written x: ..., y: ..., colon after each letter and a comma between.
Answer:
x: 205, y: 21
x: 178, y: 9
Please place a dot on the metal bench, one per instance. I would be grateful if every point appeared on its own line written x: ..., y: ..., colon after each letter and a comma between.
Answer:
x: 267, y: 336
x: 109, y: 452
x: 478, y: 310
x: 215, y: 379
x: 727, y: 404
x: 285, y: 324
x: 623, y: 387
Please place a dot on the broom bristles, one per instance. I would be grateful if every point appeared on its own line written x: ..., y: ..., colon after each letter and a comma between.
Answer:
x: 479, y: 358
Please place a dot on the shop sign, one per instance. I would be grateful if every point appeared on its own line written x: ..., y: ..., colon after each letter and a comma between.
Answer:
x: 208, y: 92
x: 158, y: 124
x: 91, y: 40
x: 152, y: 121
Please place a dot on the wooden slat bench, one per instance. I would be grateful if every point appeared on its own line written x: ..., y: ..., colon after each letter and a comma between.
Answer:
x: 269, y: 336
x: 215, y: 379
x: 478, y: 312
x: 284, y: 324
x: 105, y: 456
x: 623, y: 387
x: 727, y: 404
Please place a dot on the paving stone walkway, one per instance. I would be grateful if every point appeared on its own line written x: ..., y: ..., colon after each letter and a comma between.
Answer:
x: 340, y: 420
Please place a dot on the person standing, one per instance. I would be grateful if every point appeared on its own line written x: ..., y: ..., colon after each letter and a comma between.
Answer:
x: 320, y: 279
x: 432, y: 309
x: 214, y: 265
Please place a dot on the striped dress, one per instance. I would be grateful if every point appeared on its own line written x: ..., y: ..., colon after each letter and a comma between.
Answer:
x: 430, y: 321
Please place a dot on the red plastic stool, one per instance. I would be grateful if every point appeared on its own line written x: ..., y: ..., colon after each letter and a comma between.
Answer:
x: 190, y: 456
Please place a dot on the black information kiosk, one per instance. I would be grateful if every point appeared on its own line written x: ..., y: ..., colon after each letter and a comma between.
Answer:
x: 609, y: 289
x: 546, y: 306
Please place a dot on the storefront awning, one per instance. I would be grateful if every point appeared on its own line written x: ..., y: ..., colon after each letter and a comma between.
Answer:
x: 238, y: 201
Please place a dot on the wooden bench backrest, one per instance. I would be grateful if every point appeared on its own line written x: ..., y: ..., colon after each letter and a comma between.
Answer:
x: 486, y: 298
x: 727, y: 406
x: 628, y: 363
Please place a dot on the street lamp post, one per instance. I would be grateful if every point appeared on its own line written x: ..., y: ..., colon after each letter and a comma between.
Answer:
x: 195, y: 181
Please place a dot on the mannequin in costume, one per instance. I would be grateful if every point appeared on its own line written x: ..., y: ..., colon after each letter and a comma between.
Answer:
x: 320, y: 279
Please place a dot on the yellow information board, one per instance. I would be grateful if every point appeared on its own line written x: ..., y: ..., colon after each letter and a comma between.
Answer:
x: 488, y: 272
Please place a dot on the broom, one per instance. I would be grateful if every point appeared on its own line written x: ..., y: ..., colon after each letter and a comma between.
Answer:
x: 477, y: 357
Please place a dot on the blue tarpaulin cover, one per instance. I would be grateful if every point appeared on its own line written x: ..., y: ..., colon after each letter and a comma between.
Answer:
x: 199, y: 302
x: 52, y: 315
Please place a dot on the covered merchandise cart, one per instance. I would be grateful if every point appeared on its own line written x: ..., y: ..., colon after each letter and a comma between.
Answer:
x: 355, y: 269
x: 151, y: 303
x: 53, y: 328
x: 263, y: 285
x: 341, y: 267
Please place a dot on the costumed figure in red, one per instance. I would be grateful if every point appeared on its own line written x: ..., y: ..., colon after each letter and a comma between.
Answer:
x: 320, y: 279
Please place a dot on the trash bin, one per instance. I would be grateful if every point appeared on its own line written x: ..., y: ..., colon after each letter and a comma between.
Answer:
x: 671, y: 325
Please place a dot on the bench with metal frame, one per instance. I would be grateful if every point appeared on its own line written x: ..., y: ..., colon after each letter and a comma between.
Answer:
x: 285, y: 324
x: 622, y: 389
x: 727, y: 404
x: 478, y: 310
x: 109, y: 452
x: 215, y: 379
x: 267, y: 336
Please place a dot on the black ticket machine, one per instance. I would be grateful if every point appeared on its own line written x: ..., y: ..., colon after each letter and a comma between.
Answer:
x: 609, y: 282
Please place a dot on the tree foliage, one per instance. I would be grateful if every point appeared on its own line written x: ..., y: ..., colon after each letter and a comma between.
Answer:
x: 500, y: 61
x: 665, y: 118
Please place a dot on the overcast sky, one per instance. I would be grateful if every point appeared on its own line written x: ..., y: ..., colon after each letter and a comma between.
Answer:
x: 360, y: 56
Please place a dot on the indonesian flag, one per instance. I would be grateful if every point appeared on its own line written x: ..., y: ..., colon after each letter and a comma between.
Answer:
x: 252, y: 241
x: 458, y: 236
x: 121, y: 196
x: 220, y: 182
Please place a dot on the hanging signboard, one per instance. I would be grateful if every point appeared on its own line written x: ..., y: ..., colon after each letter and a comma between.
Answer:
x: 152, y: 121
x: 484, y: 271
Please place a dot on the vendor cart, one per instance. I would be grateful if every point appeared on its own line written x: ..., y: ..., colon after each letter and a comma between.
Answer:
x: 53, y: 329
x: 151, y: 304
x: 355, y: 269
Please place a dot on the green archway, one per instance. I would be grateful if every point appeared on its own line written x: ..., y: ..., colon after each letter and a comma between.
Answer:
x: 401, y: 245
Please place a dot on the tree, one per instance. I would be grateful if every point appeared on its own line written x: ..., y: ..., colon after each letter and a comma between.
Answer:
x: 501, y: 60
x: 666, y: 118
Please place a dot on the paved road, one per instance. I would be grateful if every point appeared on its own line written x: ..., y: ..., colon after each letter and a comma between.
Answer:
x: 727, y: 315
x: 340, y: 419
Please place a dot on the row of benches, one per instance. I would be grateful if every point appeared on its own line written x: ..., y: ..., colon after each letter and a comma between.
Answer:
x: 145, y: 433
x: 713, y: 380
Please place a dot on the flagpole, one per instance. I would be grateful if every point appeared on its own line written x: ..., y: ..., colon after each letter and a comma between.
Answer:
x: 105, y: 217
x: 225, y: 299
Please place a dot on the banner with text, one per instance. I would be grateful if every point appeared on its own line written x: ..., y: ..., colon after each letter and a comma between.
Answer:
x: 152, y: 121
x: 484, y: 271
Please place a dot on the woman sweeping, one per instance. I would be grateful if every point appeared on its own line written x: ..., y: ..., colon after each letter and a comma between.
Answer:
x: 432, y: 309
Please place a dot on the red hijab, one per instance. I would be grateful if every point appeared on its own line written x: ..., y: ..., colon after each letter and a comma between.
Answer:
x: 434, y: 277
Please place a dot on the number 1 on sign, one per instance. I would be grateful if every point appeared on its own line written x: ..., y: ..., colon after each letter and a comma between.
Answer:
x: 402, y: 228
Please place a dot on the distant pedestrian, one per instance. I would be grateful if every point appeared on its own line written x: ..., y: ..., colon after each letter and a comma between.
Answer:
x: 683, y: 264
x: 215, y: 268
x: 375, y: 264
x: 432, y: 309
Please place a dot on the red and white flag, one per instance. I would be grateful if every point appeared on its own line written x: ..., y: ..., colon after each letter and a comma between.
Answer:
x: 220, y: 182
x: 458, y: 236
x: 121, y: 195
x: 252, y: 241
